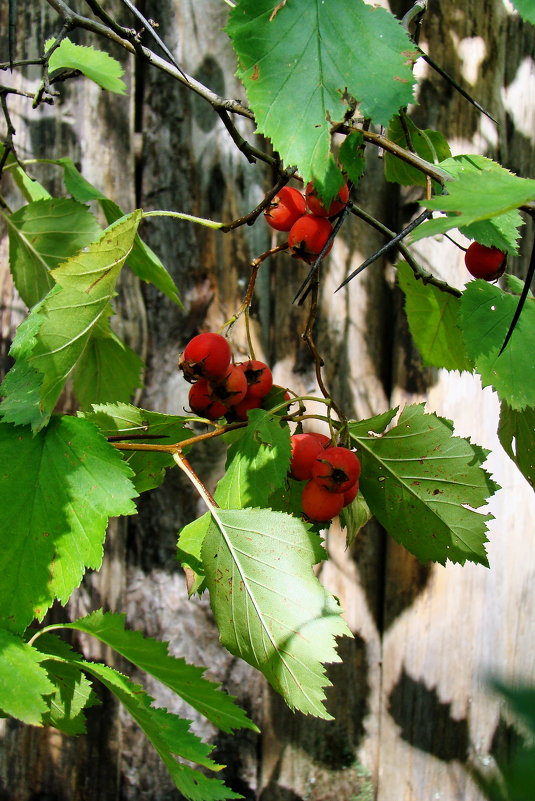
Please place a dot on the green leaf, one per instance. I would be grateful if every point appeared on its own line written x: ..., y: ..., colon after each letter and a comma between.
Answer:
x: 433, y: 318
x: 481, y: 190
x: 121, y: 419
x: 373, y: 425
x: 66, y: 319
x: 270, y: 608
x: 95, y: 64
x: 486, y: 314
x: 354, y: 517
x: 72, y: 694
x: 23, y: 681
x: 516, y: 433
x: 68, y: 482
x: 289, y: 60
x: 43, y: 234
x: 526, y: 9
x: 352, y: 156
x: 423, y: 485
x: 428, y: 144
x: 108, y: 370
x: 153, y: 657
x: 500, y: 232
x: 142, y: 260
x: 257, y: 465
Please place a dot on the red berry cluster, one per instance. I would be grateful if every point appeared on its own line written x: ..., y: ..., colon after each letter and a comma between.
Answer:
x: 220, y: 388
x: 332, y: 473
x: 485, y: 262
x: 305, y: 217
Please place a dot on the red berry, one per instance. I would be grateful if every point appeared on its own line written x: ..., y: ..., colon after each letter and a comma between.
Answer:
x: 259, y: 378
x: 305, y: 449
x: 485, y: 262
x: 319, y: 504
x: 308, y: 236
x: 203, y: 403
x: 240, y: 409
x: 316, y: 205
x: 285, y: 208
x: 336, y: 469
x: 351, y: 494
x: 205, y: 356
x: 231, y: 389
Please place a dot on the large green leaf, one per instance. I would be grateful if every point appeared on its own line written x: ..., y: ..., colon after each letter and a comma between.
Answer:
x: 23, y: 681
x: 168, y: 733
x: 481, y: 190
x: 43, y: 234
x: 108, y: 370
x: 257, y: 464
x: 433, y: 318
x: 72, y: 694
x: 153, y: 657
x: 270, y: 608
x: 95, y: 64
x: 428, y: 144
x: 57, y: 491
x: 526, y: 9
x: 63, y: 323
x: 297, y: 83
x: 123, y: 420
x: 516, y: 433
x: 142, y: 260
x: 486, y: 314
x: 423, y: 485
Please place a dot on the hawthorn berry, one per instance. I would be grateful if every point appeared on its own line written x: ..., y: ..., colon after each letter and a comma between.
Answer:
x: 205, y: 356
x: 203, y: 403
x: 316, y: 206
x: 351, y: 494
x: 336, y: 469
x: 259, y: 378
x: 319, y: 504
x: 485, y: 262
x: 305, y: 449
x: 239, y: 410
x: 308, y: 236
x: 232, y: 388
x: 285, y: 208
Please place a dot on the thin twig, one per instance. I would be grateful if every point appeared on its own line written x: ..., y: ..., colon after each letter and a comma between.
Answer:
x: 255, y: 266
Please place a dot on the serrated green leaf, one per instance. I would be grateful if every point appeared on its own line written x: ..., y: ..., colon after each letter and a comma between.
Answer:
x: 428, y: 144
x: 352, y: 156
x: 423, y: 485
x: 270, y: 608
x: 500, y: 232
x: 481, y: 190
x: 353, y: 517
x: 23, y: 681
x: 108, y: 370
x: 516, y: 432
x: 124, y: 420
x: 289, y: 60
x: 373, y: 425
x: 526, y: 9
x: 97, y: 65
x: 72, y: 694
x: 67, y: 317
x: 153, y: 657
x: 433, y: 318
x: 68, y: 482
x: 43, y: 234
x: 142, y: 260
x: 486, y: 314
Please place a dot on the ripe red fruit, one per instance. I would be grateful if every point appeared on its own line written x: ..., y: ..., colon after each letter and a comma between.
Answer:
x: 351, y: 494
x: 336, y: 469
x: 305, y: 449
x: 308, y: 236
x: 485, y: 262
x: 240, y: 409
x: 205, y: 356
x: 316, y: 205
x: 231, y: 389
x: 203, y: 403
x: 285, y: 208
x: 259, y: 378
x: 319, y: 504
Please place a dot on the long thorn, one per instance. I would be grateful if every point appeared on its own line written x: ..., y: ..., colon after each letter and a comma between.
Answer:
x: 521, y: 301
x: 455, y: 85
